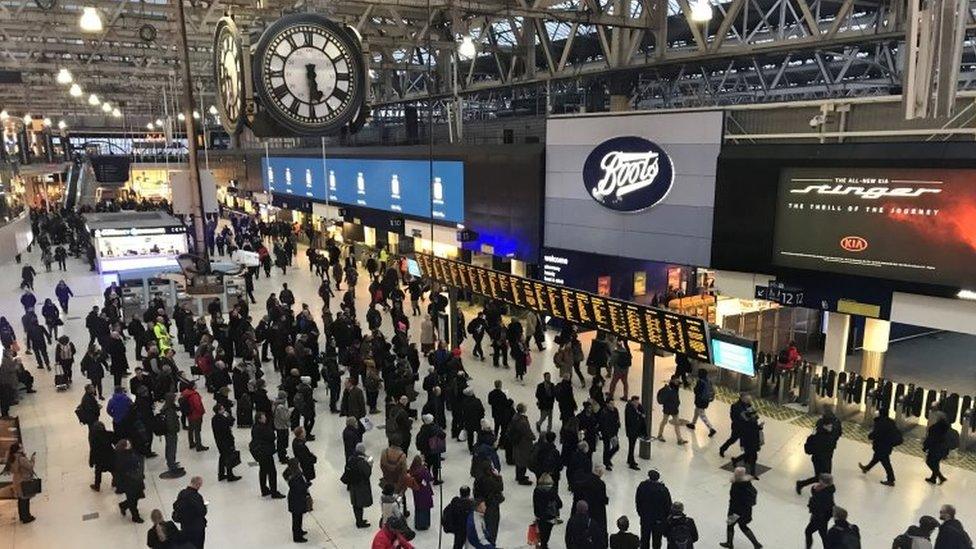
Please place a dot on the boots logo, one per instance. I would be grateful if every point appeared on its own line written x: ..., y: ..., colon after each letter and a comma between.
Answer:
x: 854, y: 243
x: 628, y: 174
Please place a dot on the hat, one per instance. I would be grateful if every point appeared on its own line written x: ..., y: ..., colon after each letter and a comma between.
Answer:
x: 427, y: 418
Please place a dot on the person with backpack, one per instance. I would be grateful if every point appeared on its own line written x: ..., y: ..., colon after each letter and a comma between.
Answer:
x: 620, y: 361
x: 842, y: 535
x: 704, y: 395
x: 940, y: 439
x: 670, y: 402
x: 885, y: 436
x: 742, y: 498
x: 821, y: 507
x: 820, y: 447
x: 917, y: 536
x: 952, y: 535
x: 192, y: 406
x: 680, y: 529
x: 454, y: 518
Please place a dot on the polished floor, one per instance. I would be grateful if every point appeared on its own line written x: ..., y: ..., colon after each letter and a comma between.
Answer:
x: 70, y: 515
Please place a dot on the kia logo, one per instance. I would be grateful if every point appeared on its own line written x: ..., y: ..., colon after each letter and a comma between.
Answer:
x: 628, y: 174
x: 854, y: 243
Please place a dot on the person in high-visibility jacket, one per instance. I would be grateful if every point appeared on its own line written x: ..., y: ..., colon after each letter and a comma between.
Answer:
x: 162, y: 336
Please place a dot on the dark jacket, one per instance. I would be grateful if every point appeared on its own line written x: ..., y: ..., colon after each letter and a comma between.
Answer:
x: 653, y: 501
x: 821, y: 503
x: 262, y: 444
x: 838, y: 533
x: 579, y: 532
x: 884, y: 435
x: 545, y: 395
x: 546, y: 503
x: 223, y: 432
x: 297, y: 494
x: 305, y: 457
x: 174, y: 538
x: 669, y: 400
x: 953, y: 536
x: 356, y: 476
x: 190, y: 511
x: 635, y: 422
x: 674, y: 524
x: 742, y: 498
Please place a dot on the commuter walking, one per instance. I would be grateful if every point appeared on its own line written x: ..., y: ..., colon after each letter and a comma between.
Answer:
x: 653, y: 502
x: 737, y: 417
x: 885, y: 436
x: 704, y: 395
x: 620, y: 361
x: 742, y: 498
x: 821, y: 507
x: 820, y: 447
x: 546, y: 504
x: 940, y: 439
x: 842, y: 534
x: 190, y: 511
x: 670, y: 402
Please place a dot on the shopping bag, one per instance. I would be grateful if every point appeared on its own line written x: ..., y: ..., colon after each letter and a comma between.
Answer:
x: 532, y: 536
x: 366, y: 423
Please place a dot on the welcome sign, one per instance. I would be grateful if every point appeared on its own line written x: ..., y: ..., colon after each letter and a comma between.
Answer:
x: 628, y: 174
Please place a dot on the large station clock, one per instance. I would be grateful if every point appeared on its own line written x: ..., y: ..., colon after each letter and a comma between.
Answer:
x: 309, y: 74
x: 229, y: 74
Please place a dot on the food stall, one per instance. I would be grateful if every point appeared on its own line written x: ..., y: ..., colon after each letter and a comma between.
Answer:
x: 129, y: 240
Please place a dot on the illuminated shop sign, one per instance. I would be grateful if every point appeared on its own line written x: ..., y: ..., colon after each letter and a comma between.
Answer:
x: 139, y: 232
x: 628, y: 174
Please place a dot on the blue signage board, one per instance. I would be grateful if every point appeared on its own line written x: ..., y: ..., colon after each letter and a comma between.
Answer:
x: 433, y: 190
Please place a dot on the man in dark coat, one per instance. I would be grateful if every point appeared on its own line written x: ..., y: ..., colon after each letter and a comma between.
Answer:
x: 545, y: 398
x: 356, y: 478
x: 591, y: 489
x: 653, y: 501
x: 952, y: 535
x: 736, y: 415
x: 472, y: 412
x: 521, y: 437
x: 352, y: 435
x: 190, y: 511
x: 223, y: 423
x: 884, y: 437
x: 635, y: 425
x: 820, y: 447
x: 565, y: 399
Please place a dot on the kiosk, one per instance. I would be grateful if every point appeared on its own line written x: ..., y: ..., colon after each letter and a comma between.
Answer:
x: 128, y: 240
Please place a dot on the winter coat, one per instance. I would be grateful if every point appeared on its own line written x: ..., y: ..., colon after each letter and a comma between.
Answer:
x: 521, y: 437
x: 358, y: 471
x: 393, y: 464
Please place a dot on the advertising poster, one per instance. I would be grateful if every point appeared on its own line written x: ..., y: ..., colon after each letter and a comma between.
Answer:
x: 418, y: 188
x: 640, y: 283
x: 912, y: 225
x: 603, y: 286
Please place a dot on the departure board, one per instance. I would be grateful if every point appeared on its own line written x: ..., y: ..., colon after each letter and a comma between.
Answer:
x: 661, y: 328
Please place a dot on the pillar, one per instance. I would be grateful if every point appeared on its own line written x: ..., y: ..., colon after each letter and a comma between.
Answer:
x: 876, y: 334
x: 647, y: 398
x: 835, y: 346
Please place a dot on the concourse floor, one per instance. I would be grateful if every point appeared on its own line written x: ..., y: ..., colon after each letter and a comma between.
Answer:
x: 70, y: 515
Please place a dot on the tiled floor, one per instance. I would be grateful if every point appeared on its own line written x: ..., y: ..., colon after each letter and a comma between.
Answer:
x: 72, y: 516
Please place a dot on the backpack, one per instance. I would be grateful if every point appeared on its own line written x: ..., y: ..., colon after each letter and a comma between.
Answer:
x: 661, y: 394
x: 159, y: 424
x: 453, y: 520
x: 184, y: 405
x: 783, y: 357
x: 851, y: 538
x: 708, y: 393
x: 679, y: 535
x: 952, y: 439
x: 437, y: 444
x: 902, y: 541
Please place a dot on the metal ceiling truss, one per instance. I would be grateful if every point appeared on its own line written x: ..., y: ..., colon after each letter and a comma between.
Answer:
x: 528, y: 50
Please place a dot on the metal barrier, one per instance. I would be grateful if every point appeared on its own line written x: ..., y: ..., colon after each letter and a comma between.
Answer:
x: 850, y: 396
x: 823, y: 391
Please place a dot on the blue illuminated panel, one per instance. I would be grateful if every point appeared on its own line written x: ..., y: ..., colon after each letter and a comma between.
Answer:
x: 738, y: 358
x: 412, y: 187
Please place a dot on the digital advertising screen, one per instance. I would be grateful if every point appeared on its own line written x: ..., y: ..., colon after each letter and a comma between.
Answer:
x: 664, y: 329
x: 911, y: 225
x: 733, y: 353
x: 432, y: 190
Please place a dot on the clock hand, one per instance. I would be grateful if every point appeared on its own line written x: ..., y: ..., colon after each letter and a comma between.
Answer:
x: 314, y: 95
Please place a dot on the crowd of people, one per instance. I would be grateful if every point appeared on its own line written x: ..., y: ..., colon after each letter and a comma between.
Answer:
x: 270, y: 369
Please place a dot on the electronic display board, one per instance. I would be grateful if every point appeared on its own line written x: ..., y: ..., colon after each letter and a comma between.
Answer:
x: 421, y: 188
x: 658, y: 327
x: 911, y: 225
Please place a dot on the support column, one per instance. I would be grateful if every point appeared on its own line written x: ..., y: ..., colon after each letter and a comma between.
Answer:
x: 647, y: 398
x: 835, y: 346
x: 876, y: 335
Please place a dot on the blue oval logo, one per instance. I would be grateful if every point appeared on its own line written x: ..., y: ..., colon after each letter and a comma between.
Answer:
x: 628, y: 174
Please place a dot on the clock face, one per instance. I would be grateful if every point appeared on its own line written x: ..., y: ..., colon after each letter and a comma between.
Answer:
x: 310, y: 74
x: 229, y: 74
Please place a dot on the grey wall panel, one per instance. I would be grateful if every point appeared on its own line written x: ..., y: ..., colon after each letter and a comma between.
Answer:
x: 677, y: 230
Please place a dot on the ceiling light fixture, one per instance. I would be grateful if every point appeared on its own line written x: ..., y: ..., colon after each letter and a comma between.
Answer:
x: 91, y: 20
x: 159, y: 122
x: 75, y: 91
x: 93, y: 100
x: 149, y: 126
x: 4, y: 115
x: 181, y: 117
x: 62, y: 125
x: 196, y: 115
x: 47, y: 122
x: 701, y: 11
x: 106, y: 107
x: 28, y: 119
x: 116, y: 113
x: 213, y: 110
x: 466, y: 49
x: 64, y: 77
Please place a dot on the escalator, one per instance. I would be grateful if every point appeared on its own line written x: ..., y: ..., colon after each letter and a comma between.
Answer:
x: 71, y: 187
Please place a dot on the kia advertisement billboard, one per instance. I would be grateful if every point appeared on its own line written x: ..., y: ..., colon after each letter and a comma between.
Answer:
x: 913, y: 225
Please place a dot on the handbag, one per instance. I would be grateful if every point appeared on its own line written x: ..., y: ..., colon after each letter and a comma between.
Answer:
x: 366, y: 423
x: 234, y: 459
x: 308, y: 503
x: 30, y: 488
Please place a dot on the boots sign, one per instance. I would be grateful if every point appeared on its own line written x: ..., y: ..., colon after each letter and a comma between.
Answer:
x: 628, y: 174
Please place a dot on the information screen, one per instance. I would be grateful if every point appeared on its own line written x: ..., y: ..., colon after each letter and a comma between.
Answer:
x: 734, y: 353
x: 912, y: 225
x: 433, y: 190
x: 664, y: 329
